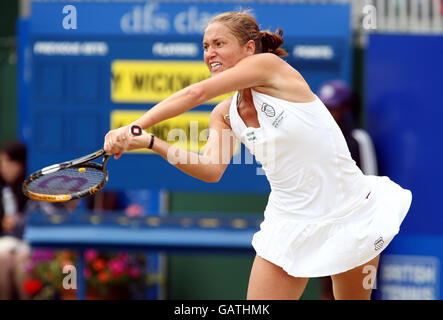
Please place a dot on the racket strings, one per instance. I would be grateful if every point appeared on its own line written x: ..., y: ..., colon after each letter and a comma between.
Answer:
x: 67, y: 181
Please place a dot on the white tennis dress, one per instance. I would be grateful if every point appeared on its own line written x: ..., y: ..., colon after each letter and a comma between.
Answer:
x: 323, y: 215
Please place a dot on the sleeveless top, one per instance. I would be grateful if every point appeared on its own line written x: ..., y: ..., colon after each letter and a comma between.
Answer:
x: 305, y: 157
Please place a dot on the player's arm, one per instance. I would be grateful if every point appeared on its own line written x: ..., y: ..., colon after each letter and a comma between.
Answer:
x: 252, y: 71
x: 217, y: 154
x: 258, y: 70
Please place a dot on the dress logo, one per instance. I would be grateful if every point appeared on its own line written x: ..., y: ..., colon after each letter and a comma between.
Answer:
x: 379, y: 243
x: 250, y: 136
x: 268, y: 109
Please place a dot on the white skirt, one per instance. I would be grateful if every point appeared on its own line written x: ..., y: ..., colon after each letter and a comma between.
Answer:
x: 317, y: 249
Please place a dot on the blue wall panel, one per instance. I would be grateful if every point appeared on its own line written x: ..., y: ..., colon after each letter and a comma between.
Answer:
x: 89, y: 137
x: 50, y: 82
x: 49, y: 131
x: 404, y: 112
x: 86, y: 82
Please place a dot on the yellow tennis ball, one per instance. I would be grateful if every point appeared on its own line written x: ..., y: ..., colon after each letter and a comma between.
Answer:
x: 81, y: 170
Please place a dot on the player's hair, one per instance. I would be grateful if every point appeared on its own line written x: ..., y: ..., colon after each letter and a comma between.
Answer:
x: 244, y: 27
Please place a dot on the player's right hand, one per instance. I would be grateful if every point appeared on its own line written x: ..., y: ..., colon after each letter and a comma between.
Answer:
x: 121, y: 140
x: 115, y: 142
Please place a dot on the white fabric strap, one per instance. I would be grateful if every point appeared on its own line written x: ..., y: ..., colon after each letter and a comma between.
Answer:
x: 368, y: 160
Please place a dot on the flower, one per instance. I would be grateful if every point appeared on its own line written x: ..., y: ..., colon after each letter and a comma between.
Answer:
x: 106, y: 272
x: 103, y: 272
x: 103, y: 277
x: 99, y: 264
x: 91, y: 255
x: 67, y: 262
x: 42, y: 255
x: 32, y: 286
x: 45, y: 272
x: 117, y: 267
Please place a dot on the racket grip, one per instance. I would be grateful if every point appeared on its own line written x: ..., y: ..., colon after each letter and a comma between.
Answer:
x: 136, y: 130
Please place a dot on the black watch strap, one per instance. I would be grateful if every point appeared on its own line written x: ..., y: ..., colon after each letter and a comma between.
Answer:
x: 152, y: 142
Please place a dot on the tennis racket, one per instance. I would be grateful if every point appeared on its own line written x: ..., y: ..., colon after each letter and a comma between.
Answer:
x: 71, y: 180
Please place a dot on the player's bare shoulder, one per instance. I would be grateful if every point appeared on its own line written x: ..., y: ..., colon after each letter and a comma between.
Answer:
x: 264, y: 60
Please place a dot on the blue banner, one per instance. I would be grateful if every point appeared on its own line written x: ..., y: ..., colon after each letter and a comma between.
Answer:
x: 404, y: 112
x: 410, y: 269
x: 160, y: 18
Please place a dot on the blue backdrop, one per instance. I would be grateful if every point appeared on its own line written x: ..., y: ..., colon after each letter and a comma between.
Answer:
x: 404, y: 111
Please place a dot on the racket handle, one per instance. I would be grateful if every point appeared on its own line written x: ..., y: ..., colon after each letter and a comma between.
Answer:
x: 136, y: 130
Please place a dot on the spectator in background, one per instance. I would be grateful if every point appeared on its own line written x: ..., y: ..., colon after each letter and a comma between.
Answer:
x: 341, y: 101
x: 13, y: 250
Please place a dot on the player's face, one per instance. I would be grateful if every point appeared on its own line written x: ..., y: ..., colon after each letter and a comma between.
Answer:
x: 222, y: 49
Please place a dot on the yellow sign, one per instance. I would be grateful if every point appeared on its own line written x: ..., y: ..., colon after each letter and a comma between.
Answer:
x: 136, y: 81
x: 188, y: 131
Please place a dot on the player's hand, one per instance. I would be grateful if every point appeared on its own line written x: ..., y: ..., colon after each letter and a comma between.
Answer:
x: 115, y: 142
x: 121, y: 140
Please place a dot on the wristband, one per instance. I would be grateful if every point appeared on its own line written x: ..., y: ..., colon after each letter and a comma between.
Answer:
x: 152, y: 142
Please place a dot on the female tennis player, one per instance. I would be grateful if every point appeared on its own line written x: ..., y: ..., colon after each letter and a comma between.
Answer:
x: 323, y: 217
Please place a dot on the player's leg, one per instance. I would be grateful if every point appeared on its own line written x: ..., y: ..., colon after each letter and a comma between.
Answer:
x: 270, y: 282
x: 357, y: 283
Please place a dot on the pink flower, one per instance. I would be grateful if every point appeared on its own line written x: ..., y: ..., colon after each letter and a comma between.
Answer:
x: 91, y: 255
x: 116, y: 267
x: 39, y: 255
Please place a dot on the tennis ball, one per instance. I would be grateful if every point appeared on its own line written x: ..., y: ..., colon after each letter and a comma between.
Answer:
x: 81, y: 170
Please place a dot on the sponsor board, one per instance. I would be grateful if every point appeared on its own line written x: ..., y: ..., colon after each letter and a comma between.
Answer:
x: 407, y: 277
x: 136, y: 81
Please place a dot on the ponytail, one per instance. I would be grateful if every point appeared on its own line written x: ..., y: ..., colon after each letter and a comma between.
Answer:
x: 271, y: 42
